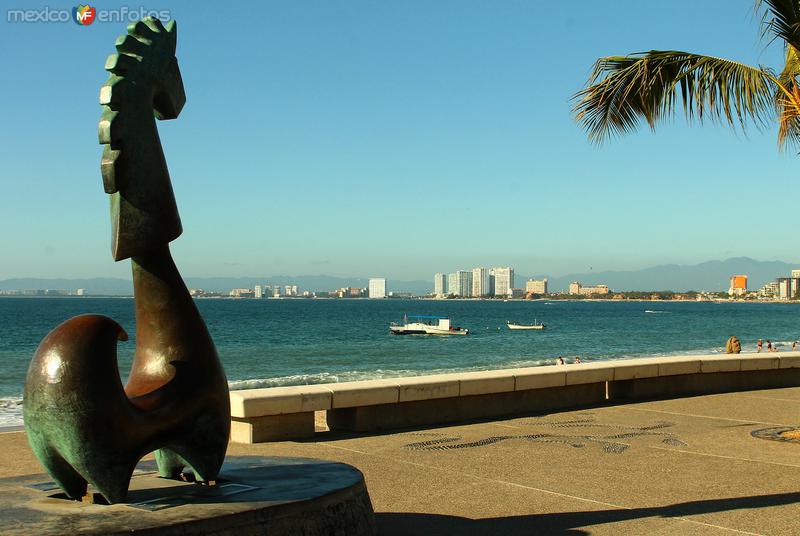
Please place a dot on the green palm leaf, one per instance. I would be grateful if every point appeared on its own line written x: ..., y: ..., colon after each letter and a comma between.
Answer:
x: 623, y: 90
x: 787, y: 99
x: 781, y: 20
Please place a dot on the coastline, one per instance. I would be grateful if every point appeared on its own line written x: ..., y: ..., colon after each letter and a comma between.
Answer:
x: 289, y: 343
x: 249, y: 384
x: 595, y: 300
x: 421, y: 298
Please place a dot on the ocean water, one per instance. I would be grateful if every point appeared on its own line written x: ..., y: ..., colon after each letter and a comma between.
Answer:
x: 292, y: 342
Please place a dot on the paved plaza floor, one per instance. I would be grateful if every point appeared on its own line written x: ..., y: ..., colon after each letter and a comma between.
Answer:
x: 698, y: 465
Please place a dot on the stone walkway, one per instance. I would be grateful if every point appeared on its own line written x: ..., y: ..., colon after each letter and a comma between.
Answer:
x: 683, y: 466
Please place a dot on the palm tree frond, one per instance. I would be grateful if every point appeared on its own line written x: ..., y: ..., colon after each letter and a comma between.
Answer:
x: 780, y: 20
x: 786, y: 100
x: 622, y: 90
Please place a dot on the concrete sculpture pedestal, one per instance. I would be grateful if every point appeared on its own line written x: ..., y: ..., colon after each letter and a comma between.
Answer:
x: 254, y: 495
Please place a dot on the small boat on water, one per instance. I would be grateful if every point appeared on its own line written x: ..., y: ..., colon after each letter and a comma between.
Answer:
x: 426, y: 325
x: 535, y: 325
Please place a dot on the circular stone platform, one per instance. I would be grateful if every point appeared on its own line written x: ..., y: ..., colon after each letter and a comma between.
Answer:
x: 254, y: 495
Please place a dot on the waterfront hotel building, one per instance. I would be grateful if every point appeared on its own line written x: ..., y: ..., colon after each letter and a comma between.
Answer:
x: 536, y: 286
x: 440, y: 284
x: 503, y: 280
x: 377, y: 287
x: 481, y: 282
x: 477, y: 282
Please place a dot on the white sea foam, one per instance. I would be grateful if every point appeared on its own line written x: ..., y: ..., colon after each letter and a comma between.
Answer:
x: 10, y: 412
x: 785, y: 346
x: 380, y: 374
x: 656, y: 312
x: 11, y: 407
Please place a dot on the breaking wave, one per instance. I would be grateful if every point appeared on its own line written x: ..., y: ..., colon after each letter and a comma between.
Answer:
x: 11, y: 407
x: 10, y: 412
x: 379, y: 374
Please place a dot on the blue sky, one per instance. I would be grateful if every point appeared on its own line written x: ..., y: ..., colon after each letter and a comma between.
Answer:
x: 395, y: 139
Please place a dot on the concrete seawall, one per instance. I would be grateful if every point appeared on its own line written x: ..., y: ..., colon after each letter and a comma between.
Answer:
x: 288, y: 412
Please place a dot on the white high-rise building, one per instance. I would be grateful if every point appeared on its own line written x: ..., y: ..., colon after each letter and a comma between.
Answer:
x: 464, y: 283
x: 259, y: 293
x: 377, y: 287
x: 452, y: 284
x: 440, y: 284
x: 480, y: 282
x: 460, y: 283
x: 290, y: 290
x: 503, y: 280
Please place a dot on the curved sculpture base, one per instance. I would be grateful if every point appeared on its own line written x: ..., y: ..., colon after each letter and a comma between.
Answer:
x: 254, y: 495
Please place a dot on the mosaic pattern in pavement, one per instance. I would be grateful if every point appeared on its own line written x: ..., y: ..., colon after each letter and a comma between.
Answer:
x: 581, y: 431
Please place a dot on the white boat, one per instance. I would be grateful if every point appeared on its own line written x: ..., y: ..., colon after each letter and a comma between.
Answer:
x: 426, y: 325
x: 535, y: 325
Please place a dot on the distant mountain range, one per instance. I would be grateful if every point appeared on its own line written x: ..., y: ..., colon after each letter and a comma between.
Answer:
x: 711, y: 275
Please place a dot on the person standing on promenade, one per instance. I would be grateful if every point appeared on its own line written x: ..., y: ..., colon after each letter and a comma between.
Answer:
x: 760, y: 345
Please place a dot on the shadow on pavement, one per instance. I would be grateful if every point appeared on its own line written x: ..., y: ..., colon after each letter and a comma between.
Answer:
x: 565, y: 523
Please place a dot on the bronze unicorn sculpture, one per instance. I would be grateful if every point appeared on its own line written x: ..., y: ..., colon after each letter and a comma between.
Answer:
x: 83, y: 426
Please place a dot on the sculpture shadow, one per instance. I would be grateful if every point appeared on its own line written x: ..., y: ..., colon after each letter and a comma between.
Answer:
x: 563, y: 523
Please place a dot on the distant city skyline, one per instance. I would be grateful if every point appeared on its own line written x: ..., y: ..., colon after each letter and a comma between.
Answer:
x: 478, y: 283
x: 712, y: 274
x: 349, y: 134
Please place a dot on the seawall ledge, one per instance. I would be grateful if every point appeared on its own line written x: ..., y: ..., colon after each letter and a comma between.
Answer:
x: 265, y: 414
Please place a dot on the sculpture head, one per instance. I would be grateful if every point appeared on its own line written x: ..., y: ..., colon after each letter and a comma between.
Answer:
x: 145, y: 82
x: 146, y: 59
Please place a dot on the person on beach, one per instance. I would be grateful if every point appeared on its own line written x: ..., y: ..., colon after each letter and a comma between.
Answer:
x: 769, y: 345
x: 577, y: 360
x: 794, y: 346
x: 760, y: 345
x: 560, y: 360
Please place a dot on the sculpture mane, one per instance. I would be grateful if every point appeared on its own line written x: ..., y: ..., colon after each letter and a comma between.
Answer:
x: 145, y: 82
